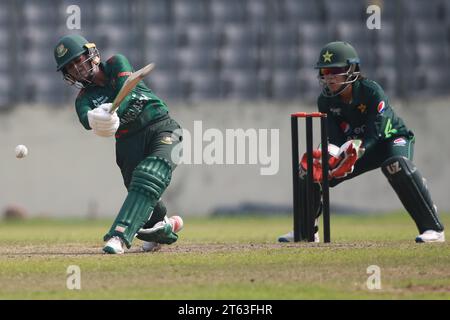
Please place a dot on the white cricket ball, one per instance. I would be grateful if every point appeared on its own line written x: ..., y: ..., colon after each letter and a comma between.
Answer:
x: 21, y: 151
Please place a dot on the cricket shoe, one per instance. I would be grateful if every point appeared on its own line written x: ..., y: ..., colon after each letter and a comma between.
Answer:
x: 151, y: 246
x: 431, y: 236
x: 289, y: 237
x: 163, y: 232
x: 114, y: 245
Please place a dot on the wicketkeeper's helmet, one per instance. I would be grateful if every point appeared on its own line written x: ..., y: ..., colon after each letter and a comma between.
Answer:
x: 337, y: 58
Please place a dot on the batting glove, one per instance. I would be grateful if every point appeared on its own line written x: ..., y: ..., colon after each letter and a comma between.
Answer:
x: 102, y: 122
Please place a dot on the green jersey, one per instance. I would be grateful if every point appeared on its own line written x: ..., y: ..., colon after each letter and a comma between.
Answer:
x: 368, y: 116
x: 137, y: 110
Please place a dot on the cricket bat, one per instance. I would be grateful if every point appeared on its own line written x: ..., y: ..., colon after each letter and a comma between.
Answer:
x: 129, y: 84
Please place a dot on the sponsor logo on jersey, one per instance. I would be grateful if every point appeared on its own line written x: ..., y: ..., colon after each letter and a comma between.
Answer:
x: 336, y: 111
x: 381, y: 107
x: 359, y: 130
x: 400, y: 142
x: 133, y: 111
x: 345, y: 127
x: 100, y: 100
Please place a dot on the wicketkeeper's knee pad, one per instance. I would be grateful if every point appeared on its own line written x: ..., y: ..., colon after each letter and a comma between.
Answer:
x: 412, y: 191
x: 150, y: 179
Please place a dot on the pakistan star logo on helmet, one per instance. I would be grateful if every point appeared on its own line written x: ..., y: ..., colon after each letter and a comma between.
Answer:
x: 61, y: 50
x: 327, y: 56
x: 343, y: 57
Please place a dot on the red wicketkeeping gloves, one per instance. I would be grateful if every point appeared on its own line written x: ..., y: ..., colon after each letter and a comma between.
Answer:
x: 341, y: 161
x: 317, y: 164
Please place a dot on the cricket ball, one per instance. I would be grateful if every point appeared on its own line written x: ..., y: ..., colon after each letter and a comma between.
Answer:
x: 21, y: 151
x: 177, y: 223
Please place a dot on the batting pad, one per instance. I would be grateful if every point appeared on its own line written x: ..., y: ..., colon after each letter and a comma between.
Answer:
x: 150, y: 179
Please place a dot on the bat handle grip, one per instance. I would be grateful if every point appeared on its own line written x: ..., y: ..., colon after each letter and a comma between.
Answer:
x: 113, y: 108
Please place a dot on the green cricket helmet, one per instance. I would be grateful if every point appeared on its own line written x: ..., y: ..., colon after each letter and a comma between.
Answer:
x: 71, y: 47
x: 337, y: 59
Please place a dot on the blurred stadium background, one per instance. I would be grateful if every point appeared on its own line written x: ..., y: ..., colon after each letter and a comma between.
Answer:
x: 230, y: 63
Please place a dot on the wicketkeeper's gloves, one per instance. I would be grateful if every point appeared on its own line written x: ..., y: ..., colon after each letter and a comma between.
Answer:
x: 341, y: 161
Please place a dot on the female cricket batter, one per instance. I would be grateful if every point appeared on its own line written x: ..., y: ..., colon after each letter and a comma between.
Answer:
x: 144, y: 134
x: 371, y: 135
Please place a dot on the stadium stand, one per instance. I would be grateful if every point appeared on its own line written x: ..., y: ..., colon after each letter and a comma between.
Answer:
x: 295, y: 11
x: 237, y: 49
x: 285, y: 85
x: 201, y: 85
x: 258, y: 12
x: 168, y: 85
x: 227, y: 11
x: 190, y: 11
x: 157, y: 12
x: 241, y: 85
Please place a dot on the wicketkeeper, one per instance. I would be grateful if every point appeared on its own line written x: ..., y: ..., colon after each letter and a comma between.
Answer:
x: 145, y: 136
x: 366, y: 134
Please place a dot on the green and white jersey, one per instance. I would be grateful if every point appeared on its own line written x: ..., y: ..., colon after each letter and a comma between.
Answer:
x: 140, y: 107
x: 368, y: 116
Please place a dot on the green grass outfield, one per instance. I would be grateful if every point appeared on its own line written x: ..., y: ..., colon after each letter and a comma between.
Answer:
x: 225, y: 258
